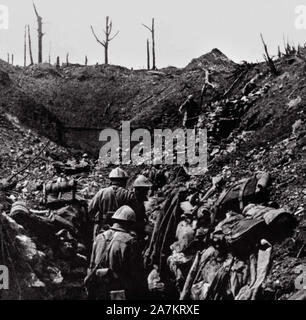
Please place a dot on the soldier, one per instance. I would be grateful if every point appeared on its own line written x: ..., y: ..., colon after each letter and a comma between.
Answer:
x: 108, y: 200
x: 190, y: 111
x: 116, y: 263
x: 141, y: 187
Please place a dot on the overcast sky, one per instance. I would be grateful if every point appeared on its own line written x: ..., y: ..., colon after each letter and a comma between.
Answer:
x: 185, y: 29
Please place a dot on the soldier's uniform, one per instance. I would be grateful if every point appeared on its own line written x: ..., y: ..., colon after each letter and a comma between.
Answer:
x: 123, y: 258
x: 106, y: 202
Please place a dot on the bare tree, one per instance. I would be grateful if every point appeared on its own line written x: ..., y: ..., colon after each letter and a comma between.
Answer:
x: 206, y: 84
x: 279, y: 53
x: 49, y: 56
x: 152, y: 30
x: 299, y: 49
x: 285, y: 44
x: 25, y: 47
x: 268, y: 59
x: 30, y: 46
x: 108, y: 38
x: 58, y: 63
x: 148, y: 54
x: 40, y: 34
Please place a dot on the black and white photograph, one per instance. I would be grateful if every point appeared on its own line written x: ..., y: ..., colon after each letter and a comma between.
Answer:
x: 152, y: 152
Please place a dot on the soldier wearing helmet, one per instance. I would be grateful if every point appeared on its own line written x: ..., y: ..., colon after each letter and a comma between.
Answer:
x: 141, y: 187
x: 117, y: 251
x: 142, y: 183
x: 108, y: 200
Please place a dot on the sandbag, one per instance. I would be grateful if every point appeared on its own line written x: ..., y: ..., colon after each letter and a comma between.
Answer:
x: 226, y: 277
x: 245, y: 233
x: 41, y: 227
x: 241, y: 234
x: 243, y: 192
x: 209, y: 265
x: 73, y: 218
x: 179, y: 264
x: 280, y: 222
x: 218, y: 290
x: 251, y: 290
x: 184, y: 235
x: 269, y: 214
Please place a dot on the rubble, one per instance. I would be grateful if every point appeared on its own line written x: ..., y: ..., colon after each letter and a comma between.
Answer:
x: 198, y: 224
x: 71, y: 167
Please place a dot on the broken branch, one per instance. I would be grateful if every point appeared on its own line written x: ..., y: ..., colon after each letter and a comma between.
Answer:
x: 94, y: 34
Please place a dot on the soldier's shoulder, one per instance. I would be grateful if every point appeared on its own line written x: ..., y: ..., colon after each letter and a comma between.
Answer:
x: 124, y: 190
x: 107, y: 189
x: 104, y: 236
x: 102, y: 191
x: 125, y: 236
x: 127, y: 194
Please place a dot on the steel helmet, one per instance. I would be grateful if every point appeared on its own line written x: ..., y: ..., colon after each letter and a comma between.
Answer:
x: 125, y: 213
x: 142, y: 182
x: 118, y: 173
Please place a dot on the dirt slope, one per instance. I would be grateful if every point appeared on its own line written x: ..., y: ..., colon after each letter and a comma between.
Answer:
x: 265, y: 127
x: 96, y: 97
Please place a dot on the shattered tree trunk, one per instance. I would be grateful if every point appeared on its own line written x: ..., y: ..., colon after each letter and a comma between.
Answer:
x: 299, y: 50
x: 268, y: 59
x: 153, y: 45
x: 40, y: 34
x: 106, y: 42
x: 58, y: 63
x: 108, y: 38
x: 12, y: 59
x: 148, y: 54
x: 279, y: 53
x: 152, y: 30
x: 49, y: 56
x: 30, y: 46
x: 25, y: 47
x: 67, y: 59
x: 86, y: 61
x: 8, y: 58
